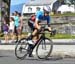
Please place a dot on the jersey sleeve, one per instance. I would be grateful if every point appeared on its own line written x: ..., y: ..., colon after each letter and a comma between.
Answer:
x: 39, y: 14
x: 48, y: 20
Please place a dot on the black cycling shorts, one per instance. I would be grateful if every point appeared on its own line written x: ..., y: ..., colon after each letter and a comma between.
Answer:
x: 31, y: 25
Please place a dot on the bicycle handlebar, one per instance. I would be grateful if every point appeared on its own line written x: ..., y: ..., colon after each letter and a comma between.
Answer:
x: 52, y: 32
x: 53, y: 23
x: 43, y: 24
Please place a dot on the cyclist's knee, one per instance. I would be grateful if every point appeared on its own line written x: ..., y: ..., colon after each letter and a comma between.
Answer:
x: 34, y: 32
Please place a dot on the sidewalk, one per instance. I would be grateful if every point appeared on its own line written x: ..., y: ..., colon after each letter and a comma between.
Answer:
x: 55, y: 41
x: 58, y: 50
x: 61, y: 50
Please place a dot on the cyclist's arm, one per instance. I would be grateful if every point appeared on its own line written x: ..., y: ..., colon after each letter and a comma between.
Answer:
x: 36, y: 24
x: 48, y: 22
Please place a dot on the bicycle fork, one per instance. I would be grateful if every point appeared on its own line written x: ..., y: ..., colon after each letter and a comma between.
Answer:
x: 44, y: 45
x: 43, y: 42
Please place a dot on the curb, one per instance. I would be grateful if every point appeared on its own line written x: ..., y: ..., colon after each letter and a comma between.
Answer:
x: 58, y: 50
x: 63, y: 40
x: 54, y: 40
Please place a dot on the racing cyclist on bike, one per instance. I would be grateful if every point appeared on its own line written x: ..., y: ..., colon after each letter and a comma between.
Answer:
x: 41, y: 17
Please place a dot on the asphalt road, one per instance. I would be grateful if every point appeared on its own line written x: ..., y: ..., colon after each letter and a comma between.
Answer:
x: 8, y: 57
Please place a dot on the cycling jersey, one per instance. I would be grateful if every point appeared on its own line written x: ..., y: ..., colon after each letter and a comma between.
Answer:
x: 41, y: 18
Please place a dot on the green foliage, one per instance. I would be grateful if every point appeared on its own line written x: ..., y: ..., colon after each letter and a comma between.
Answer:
x: 6, y: 1
x: 62, y: 36
x: 7, y: 7
x: 57, y: 36
x: 0, y: 13
x: 64, y: 14
x: 72, y: 1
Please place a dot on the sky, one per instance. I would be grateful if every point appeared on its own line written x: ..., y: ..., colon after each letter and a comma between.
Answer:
x: 16, y: 2
x: 16, y: 5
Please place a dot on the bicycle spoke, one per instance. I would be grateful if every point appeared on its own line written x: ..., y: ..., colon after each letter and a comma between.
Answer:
x: 21, y: 49
x: 45, y: 47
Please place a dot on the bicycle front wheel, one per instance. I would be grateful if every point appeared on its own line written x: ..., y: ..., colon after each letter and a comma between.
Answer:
x: 44, y: 48
x: 21, y: 49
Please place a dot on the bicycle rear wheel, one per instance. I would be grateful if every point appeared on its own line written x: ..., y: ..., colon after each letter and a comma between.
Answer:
x: 44, y: 48
x: 21, y: 49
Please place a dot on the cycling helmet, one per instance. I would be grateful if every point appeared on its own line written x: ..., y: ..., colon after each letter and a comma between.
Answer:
x: 47, y: 9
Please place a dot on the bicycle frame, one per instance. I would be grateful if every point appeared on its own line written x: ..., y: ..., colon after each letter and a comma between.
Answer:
x: 42, y: 37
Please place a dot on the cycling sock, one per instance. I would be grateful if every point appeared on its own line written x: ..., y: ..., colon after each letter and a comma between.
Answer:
x: 30, y: 37
x: 34, y: 41
x: 31, y: 47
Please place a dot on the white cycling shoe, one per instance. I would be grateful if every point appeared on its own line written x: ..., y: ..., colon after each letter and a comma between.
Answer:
x: 30, y: 42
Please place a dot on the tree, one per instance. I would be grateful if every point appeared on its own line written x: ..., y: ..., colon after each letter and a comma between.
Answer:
x: 5, y: 10
x: 73, y: 2
x: 7, y: 6
x: 56, y: 5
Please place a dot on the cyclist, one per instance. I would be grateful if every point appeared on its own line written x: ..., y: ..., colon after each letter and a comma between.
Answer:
x: 41, y: 17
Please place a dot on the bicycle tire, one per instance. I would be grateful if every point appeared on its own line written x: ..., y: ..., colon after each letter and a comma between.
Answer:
x: 50, y: 49
x: 25, y: 50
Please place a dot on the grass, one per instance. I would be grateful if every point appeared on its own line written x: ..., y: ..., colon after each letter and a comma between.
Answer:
x: 0, y: 13
x: 57, y: 36
x: 64, y: 14
x: 2, y: 36
x: 62, y: 36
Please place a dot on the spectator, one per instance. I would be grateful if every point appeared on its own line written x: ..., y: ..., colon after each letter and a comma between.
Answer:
x: 16, y: 21
x: 5, y: 31
x: 11, y: 28
x: 20, y: 24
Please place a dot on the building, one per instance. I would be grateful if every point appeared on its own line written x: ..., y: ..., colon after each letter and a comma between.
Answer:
x: 56, y: 6
x: 31, y: 6
x: 66, y: 8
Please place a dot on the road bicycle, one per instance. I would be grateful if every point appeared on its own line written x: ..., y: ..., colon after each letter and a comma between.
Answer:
x: 43, y: 46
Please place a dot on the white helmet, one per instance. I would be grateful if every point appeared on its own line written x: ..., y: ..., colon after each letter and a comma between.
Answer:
x: 47, y: 8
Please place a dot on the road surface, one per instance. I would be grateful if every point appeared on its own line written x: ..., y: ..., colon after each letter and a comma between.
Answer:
x: 8, y: 57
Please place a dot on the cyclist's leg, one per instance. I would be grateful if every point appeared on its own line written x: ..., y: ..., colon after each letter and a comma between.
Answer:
x: 31, y: 46
x: 33, y: 38
x: 30, y: 50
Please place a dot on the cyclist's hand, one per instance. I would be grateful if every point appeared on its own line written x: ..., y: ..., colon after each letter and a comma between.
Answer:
x: 53, y: 32
x: 39, y: 27
x: 49, y: 28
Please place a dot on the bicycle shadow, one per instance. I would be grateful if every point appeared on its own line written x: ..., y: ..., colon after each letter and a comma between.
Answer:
x: 48, y: 59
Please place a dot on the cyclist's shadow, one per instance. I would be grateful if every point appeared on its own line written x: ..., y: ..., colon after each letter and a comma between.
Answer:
x: 48, y: 59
